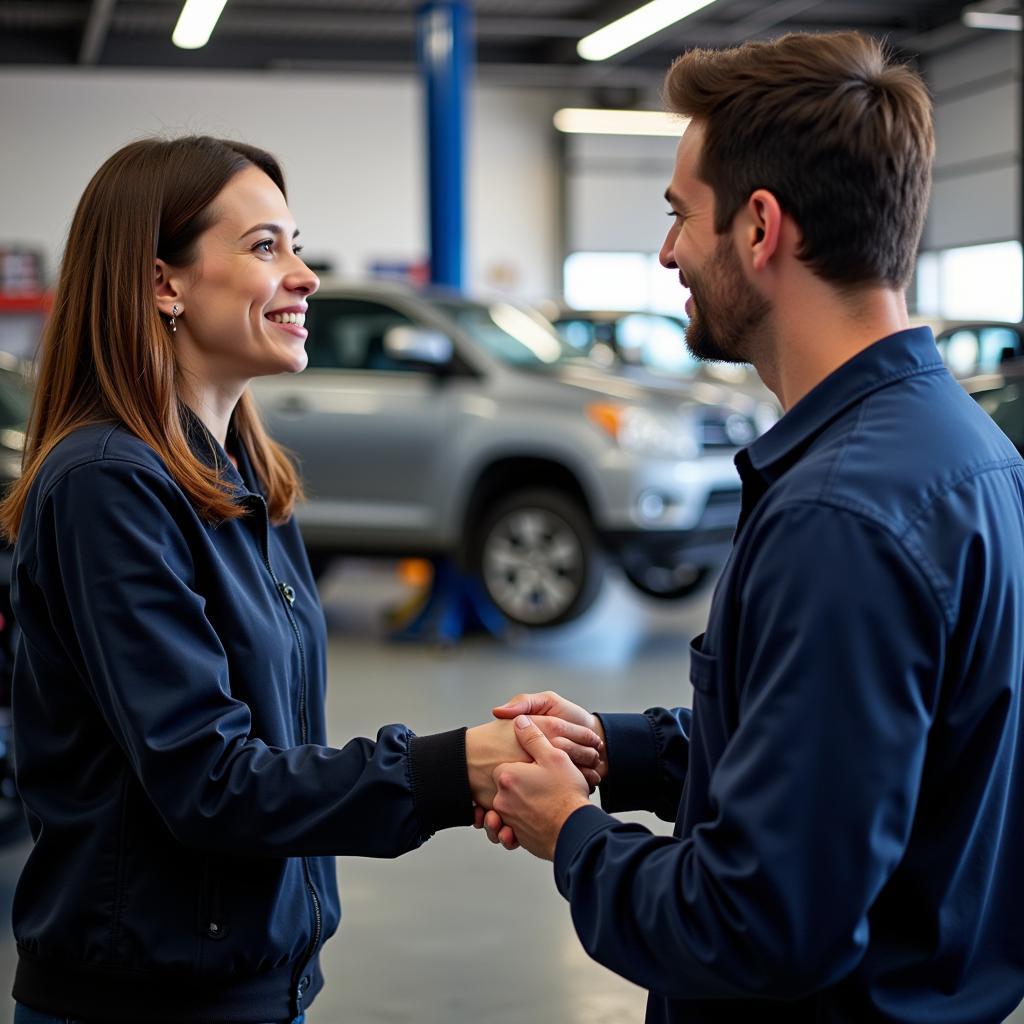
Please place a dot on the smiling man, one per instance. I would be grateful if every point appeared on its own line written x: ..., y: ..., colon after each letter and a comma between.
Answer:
x: 848, y: 788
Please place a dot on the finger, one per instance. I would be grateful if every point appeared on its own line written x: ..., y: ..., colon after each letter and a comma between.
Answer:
x: 520, y: 704
x: 493, y: 822
x: 582, y: 757
x: 592, y: 777
x: 552, y: 727
x: 508, y: 838
x: 534, y: 742
x: 478, y: 816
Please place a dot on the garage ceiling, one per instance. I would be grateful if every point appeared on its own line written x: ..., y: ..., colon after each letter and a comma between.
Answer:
x: 518, y: 41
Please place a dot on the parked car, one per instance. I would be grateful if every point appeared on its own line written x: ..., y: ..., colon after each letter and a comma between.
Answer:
x: 15, y: 393
x: 651, y: 348
x: 980, y: 347
x: 427, y: 424
x: 1001, y: 395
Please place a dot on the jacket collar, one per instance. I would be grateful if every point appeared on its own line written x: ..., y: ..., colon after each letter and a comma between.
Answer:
x: 209, y: 451
x: 897, y: 356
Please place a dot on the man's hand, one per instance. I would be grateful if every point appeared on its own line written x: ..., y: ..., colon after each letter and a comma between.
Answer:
x: 495, y: 743
x: 549, y: 703
x: 535, y: 799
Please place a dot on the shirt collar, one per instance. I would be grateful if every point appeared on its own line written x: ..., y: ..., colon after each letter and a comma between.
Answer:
x: 903, y: 354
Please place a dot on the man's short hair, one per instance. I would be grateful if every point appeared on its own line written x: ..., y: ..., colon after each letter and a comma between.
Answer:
x: 834, y: 128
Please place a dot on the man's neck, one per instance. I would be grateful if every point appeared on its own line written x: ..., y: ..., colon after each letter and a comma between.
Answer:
x: 820, y: 331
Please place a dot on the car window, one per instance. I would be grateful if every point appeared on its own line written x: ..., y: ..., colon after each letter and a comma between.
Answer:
x: 969, y: 350
x: 348, y: 334
x: 657, y: 342
x: 510, y: 333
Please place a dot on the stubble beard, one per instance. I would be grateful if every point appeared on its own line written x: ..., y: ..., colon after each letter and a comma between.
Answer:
x: 730, y: 318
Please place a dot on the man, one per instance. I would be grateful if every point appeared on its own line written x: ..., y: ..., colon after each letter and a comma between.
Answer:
x: 848, y: 790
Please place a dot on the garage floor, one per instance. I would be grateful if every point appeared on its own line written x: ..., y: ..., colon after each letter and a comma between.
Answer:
x: 461, y: 931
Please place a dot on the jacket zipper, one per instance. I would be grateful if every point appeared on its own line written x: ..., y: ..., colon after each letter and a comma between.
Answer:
x: 288, y: 597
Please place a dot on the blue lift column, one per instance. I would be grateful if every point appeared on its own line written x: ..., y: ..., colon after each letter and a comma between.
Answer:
x: 454, y: 602
x: 445, y: 56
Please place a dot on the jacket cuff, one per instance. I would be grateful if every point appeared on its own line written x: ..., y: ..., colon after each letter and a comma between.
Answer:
x: 440, y: 780
x: 632, y: 751
x: 579, y: 828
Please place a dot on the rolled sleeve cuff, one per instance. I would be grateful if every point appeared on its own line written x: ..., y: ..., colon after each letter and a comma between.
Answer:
x: 440, y: 780
x: 577, y: 831
x: 633, y: 766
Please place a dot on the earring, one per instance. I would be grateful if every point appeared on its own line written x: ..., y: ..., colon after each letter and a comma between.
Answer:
x: 174, y: 313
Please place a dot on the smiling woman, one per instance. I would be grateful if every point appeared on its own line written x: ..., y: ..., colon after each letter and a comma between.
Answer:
x: 169, y: 689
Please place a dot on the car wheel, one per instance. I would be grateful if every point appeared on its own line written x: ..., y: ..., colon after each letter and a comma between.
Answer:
x: 538, y: 558
x: 665, y: 582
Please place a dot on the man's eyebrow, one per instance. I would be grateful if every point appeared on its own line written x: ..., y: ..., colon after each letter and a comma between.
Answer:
x: 274, y: 229
x: 674, y: 201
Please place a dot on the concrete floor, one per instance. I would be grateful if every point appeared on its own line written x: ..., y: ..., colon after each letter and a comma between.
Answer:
x: 460, y: 930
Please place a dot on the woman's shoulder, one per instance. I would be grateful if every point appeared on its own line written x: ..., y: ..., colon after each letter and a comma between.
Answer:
x: 102, y: 447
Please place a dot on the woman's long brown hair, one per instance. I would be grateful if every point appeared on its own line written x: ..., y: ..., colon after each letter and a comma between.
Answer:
x: 107, y: 354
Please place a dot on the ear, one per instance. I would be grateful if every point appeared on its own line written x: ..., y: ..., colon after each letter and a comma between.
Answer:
x: 761, y: 228
x: 168, y: 288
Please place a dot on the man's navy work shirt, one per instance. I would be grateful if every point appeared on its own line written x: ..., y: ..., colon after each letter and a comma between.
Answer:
x: 848, y: 790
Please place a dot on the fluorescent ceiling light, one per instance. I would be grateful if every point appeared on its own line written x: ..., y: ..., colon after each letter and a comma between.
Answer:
x: 987, y: 19
x: 637, y: 25
x: 196, y: 22
x: 581, y: 121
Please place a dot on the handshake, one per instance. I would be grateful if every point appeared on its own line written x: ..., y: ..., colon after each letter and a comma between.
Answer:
x: 532, y: 768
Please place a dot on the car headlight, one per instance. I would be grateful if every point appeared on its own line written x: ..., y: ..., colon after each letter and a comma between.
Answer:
x: 645, y: 431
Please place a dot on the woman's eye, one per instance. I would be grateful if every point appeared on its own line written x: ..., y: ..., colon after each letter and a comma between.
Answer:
x: 265, y: 246
x: 297, y: 249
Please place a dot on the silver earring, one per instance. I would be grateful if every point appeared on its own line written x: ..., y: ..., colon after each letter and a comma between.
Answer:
x: 174, y: 313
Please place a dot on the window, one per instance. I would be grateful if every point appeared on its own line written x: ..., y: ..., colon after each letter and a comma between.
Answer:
x: 975, y: 282
x: 348, y: 334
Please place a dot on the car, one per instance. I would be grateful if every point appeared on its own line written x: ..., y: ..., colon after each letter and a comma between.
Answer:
x: 427, y: 424
x: 651, y: 348
x: 979, y: 347
x: 1001, y: 395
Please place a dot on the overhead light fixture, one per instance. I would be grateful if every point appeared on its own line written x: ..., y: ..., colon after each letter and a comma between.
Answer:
x: 994, y: 15
x: 639, y: 24
x: 196, y: 23
x: 582, y: 121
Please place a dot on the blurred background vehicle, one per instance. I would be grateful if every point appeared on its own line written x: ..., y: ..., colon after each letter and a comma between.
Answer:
x: 980, y: 347
x: 428, y: 424
x: 650, y: 347
x: 1001, y: 395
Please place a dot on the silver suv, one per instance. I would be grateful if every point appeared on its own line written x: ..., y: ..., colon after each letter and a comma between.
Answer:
x: 427, y: 424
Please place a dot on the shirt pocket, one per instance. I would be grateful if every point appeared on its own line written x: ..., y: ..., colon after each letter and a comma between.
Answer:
x: 703, y: 667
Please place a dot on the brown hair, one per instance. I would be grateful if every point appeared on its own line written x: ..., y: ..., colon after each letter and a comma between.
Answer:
x: 837, y: 131
x: 107, y: 354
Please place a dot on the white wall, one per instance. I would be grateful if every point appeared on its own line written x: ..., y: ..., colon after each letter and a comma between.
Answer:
x: 352, y: 149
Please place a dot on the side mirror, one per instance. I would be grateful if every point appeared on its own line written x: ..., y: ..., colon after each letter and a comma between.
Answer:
x: 418, y: 345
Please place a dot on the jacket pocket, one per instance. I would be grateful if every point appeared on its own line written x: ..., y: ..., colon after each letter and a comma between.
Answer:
x: 703, y: 667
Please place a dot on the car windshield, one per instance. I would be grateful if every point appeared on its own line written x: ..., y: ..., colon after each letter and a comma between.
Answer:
x: 512, y: 334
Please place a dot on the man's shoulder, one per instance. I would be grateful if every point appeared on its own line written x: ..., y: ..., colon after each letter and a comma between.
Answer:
x: 903, y: 449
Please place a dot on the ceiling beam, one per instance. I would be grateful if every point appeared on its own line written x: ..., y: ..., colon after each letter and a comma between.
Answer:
x: 97, y: 26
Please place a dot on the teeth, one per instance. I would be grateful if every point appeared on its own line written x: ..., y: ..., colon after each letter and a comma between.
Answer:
x: 287, y: 318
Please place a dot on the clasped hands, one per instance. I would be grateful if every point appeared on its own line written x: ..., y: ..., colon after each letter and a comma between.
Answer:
x: 525, y: 790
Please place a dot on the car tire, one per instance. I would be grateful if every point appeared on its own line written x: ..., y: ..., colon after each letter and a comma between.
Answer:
x: 667, y: 583
x: 538, y: 558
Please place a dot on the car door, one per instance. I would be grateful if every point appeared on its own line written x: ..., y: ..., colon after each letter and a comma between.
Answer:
x: 368, y: 430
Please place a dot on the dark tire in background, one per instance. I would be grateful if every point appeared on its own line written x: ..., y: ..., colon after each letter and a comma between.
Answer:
x: 537, y: 555
x: 667, y: 582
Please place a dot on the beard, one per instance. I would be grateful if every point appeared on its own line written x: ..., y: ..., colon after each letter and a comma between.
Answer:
x: 729, y: 320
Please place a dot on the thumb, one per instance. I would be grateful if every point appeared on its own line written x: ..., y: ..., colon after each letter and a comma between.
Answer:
x: 532, y: 740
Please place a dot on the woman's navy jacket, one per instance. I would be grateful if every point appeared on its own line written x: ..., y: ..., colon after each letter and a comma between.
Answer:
x: 170, y: 749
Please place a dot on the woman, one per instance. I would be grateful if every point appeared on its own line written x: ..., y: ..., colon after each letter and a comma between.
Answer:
x: 169, y: 685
